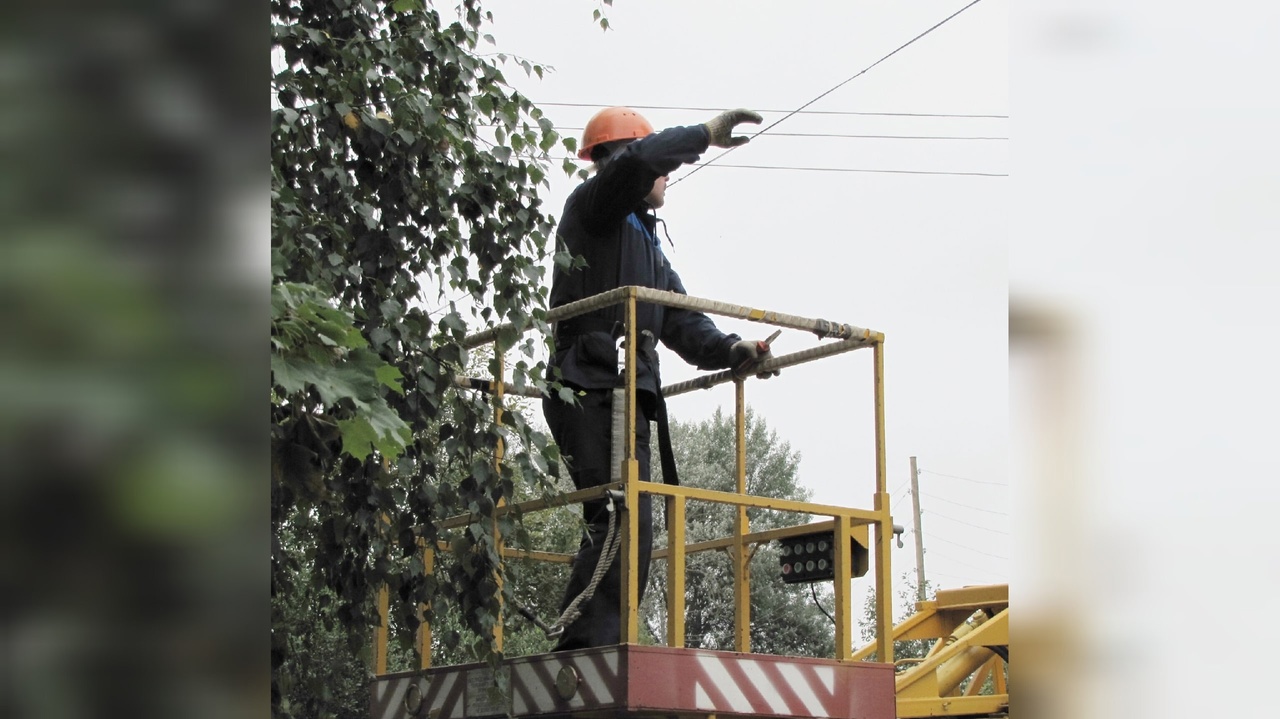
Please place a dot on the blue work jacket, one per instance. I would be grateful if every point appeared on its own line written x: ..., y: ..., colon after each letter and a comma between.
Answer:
x: 605, y: 220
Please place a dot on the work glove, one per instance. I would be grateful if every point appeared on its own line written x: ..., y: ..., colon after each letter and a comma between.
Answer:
x: 723, y: 124
x: 745, y: 355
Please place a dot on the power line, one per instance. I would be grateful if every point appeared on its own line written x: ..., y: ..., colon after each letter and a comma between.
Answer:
x: 837, y: 87
x: 966, y: 506
x: 794, y: 168
x: 701, y: 165
x: 881, y: 137
x: 932, y: 513
x: 792, y: 112
x: 944, y: 574
x: 963, y: 546
x: 949, y: 558
x: 841, y: 135
x: 897, y: 501
x: 965, y: 479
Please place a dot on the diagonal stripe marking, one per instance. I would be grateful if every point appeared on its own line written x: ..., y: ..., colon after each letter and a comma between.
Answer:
x: 524, y: 684
x: 450, y: 696
x: 719, y: 678
x: 763, y: 685
x: 803, y: 689
x: 394, y: 697
x: 786, y: 693
x: 596, y: 686
x: 544, y: 682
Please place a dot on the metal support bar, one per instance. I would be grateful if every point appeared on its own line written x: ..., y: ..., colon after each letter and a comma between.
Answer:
x: 424, y: 629
x: 630, y: 603
x: 741, y: 526
x: 884, y: 527
x: 751, y: 500
x: 533, y: 505
x: 707, y: 381
x: 821, y: 328
x: 675, y: 571
x: 498, y: 451
x: 770, y: 535
x: 380, y: 632
x: 841, y: 584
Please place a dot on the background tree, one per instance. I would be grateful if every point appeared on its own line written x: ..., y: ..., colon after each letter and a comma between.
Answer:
x: 906, y: 606
x: 397, y: 228
x: 784, y: 617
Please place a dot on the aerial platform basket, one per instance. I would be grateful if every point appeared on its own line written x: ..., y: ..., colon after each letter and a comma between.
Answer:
x: 631, y: 680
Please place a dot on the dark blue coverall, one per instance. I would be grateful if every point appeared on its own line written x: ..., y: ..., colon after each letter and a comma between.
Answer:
x: 605, y: 220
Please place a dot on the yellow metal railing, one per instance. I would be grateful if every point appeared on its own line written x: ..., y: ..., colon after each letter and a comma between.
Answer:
x: 847, y: 524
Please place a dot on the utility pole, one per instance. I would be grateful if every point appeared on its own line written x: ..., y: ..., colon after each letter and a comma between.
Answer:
x: 915, y: 503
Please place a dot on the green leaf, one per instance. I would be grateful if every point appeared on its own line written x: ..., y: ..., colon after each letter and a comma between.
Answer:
x: 405, y: 6
x: 507, y: 337
x: 389, y: 376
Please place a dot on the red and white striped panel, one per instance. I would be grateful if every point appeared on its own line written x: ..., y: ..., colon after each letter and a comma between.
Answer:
x: 756, y: 684
x: 469, y: 692
x: 745, y: 686
x: 533, y: 682
x: 443, y: 692
x: 644, y: 680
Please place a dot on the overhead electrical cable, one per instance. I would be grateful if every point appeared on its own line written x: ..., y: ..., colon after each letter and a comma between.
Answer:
x: 966, y: 506
x: 793, y: 112
x: 784, y: 118
x: 846, y: 169
x: 940, y: 515
x: 949, y: 558
x: 964, y: 546
x: 795, y: 168
x: 842, y: 135
x: 964, y: 479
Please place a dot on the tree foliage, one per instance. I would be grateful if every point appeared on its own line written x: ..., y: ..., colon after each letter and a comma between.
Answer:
x: 906, y: 606
x: 404, y: 214
x: 785, y: 618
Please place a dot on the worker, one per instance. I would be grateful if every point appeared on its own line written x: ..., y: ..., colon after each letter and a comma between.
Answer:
x: 609, y: 221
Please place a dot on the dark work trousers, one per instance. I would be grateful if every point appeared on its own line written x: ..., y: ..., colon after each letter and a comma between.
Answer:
x: 583, y: 434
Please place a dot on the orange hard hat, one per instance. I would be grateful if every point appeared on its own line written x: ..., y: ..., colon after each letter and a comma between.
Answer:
x: 612, y: 123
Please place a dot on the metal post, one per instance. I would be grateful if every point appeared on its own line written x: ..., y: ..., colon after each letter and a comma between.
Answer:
x: 498, y: 450
x: 675, y: 571
x: 915, y: 505
x: 741, y: 525
x: 883, y: 526
x: 424, y: 629
x: 630, y: 609
x: 843, y: 555
x: 380, y: 632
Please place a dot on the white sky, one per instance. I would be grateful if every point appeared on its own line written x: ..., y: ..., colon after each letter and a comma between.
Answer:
x: 921, y: 258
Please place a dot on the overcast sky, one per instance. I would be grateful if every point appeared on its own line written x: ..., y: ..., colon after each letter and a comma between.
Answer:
x: 919, y: 257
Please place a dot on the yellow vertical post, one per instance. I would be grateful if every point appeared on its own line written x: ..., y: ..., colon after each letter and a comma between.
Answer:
x: 424, y: 629
x: 675, y: 571
x: 630, y: 528
x: 380, y: 632
x: 498, y: 391
x: 741, y: 559
x: 842, y: 537
x: 884, y: 525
